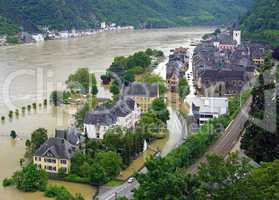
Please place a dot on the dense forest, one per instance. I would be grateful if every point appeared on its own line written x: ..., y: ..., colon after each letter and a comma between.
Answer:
x: 66, y: 14
x: 262, y: 22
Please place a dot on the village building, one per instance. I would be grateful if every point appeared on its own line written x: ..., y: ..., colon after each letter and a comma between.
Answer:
x: 175, y: 71
x: 124, y: 113
x: 257, y: 53
x: 142, y: 93
x: 38, y: 37
x: 56, y: 153
x: 176, y: 67
x: 25, y: 37
x: 3, y: 40
x: 207, y: 108
x: 225, y: 71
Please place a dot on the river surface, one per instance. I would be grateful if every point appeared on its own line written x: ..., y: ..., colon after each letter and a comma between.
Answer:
x: 28, y: 73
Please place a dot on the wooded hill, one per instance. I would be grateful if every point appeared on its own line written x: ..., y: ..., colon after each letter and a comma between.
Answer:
x: 262, y: 22
x: 67, y: 14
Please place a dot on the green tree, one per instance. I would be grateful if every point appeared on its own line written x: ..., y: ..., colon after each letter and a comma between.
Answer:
x: 139, y: 59
x: 183, y: 88
x: 80, y: 115
x: 76, y: 162
x: 82, y: 79
x: 261, y: 183
x: 31, y: 179
x: 59, y: 97
x: 98, y: 175
x: 110, y: 161
x: 38, y: 137
x: 159, y: 108
x: 114, y: 88
x: 94, y: 90
x: 85, y: 169
x: 219, y: 177
x: 150, y: 123
x: 13, y: 134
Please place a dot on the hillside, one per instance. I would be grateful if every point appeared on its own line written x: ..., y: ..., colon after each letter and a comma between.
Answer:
x: 66, y: 14
x: 6, y: 27
x: 262, y: 22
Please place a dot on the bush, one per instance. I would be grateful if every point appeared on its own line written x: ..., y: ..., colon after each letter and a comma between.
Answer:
x: 76, y: 179
x: 13, y: 134
x: 8, y: 182
x: 61, y: 193
x: 31, y: 179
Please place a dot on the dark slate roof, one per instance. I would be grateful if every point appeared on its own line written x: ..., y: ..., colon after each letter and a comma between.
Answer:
x: 107, y: 115
x: 71, y: 135
x: 56, y: 148
x: 141, y: 89
x: 226, y: 38
x: 223, y: 75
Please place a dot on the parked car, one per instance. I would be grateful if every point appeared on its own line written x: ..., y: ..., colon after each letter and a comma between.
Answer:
x: 131, y: 180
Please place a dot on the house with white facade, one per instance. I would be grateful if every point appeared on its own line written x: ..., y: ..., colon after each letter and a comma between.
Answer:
x: 64, y: 34
x: 3, y: 40
x: 206, y: 108
x: 124, y: 113
x: 38, y: 37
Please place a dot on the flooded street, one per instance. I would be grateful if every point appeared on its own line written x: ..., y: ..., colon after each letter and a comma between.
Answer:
x: 28, y: 73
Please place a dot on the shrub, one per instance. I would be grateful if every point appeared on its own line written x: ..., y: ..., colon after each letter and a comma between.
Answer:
x: 8, y: 182
x: 61, y: 193
x: 13, y: 134
x: 76, y: 179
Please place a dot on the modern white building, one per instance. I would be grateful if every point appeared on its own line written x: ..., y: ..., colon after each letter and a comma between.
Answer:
x: 103, y: 25
x: 124, y: 113
x: 206, y: 108
x: 38, y: 37
x: 64, y: 34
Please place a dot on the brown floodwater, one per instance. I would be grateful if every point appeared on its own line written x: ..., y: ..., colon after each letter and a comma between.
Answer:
x: 28, y: 73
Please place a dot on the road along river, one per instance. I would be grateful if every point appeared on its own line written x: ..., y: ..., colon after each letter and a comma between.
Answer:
x: 28, y: 73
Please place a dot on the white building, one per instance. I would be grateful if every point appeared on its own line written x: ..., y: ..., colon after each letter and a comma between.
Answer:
x: 103, y: 25
x: 38, y: 37
x: 64, y: 34
x: 206, y: 108
x: 125, y: 113
x: 3, y: 40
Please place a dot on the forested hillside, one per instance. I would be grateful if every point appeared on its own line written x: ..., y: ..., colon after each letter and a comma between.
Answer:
x: 66, y: 14
x: 262, y: 22
x: 6, y: 27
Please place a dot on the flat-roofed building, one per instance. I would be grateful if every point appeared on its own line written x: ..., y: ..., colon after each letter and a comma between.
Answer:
x: 206, y: 108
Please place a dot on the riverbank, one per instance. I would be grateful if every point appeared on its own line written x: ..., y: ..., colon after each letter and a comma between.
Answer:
x: 60, y: 58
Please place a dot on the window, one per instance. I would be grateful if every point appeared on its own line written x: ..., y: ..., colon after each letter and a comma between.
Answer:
x: 98, y: 135
x: 64, y: 162
x: 50, y: 160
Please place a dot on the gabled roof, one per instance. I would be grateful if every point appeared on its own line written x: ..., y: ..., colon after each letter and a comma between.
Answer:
x: 71, y: 135
x: 107, y: 115
x: 141, y: 89
x: 56, y: 148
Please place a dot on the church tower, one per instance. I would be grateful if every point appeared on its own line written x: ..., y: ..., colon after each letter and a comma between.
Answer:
x: 237, y: 37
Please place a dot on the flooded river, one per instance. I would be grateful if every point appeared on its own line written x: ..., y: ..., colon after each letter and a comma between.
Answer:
x: 28, y: 73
